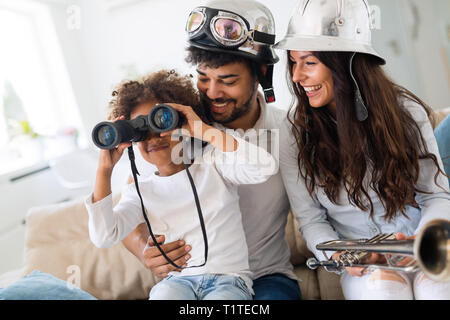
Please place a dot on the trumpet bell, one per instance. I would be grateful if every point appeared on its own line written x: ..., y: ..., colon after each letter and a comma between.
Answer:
x: 432, y: 250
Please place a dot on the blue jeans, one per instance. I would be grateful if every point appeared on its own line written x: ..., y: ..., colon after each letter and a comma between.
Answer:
x: 201, y: 287
x: 276, y: 287
x: 42, y: 286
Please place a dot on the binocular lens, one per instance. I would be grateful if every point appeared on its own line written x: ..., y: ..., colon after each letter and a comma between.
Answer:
x: 106, y: 135
x: 163, y: 119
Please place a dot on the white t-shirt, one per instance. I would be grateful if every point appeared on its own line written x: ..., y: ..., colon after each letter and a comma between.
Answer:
x: 171, y: 208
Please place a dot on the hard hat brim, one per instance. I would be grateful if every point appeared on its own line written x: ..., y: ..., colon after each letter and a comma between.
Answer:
x: 324, y: 43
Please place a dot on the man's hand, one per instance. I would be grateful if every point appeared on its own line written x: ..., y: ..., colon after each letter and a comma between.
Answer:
x: 141, y: 245
x: 152, y: 258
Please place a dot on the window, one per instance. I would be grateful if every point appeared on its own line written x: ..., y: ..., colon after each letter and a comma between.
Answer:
x: 39, y: 118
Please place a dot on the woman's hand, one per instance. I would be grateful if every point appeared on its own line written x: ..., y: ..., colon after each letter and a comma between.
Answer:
x: 109, y: 158
x: 402, y: 236
x: 406, y: 260
x: 358, y: 272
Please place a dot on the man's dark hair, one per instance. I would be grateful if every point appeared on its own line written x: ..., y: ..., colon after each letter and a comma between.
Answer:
x: 213, y: 59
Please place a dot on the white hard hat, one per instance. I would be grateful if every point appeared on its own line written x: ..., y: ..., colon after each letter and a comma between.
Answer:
x: 330, y: 25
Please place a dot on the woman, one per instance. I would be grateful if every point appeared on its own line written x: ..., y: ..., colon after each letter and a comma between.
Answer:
x: 357, y: 155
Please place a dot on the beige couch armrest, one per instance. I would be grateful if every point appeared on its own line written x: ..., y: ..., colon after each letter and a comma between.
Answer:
x: 297, y: 257
x: 57, y: 242
x: 329, y: 285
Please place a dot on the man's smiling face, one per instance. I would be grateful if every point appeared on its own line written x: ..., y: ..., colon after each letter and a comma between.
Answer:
x: 227, y: 90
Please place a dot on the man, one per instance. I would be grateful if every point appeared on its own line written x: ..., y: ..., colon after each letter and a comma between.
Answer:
x: 230, y: 66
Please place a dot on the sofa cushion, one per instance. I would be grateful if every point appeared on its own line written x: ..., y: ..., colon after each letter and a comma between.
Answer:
x: 329, y: 285
x: 300, y: 242
x: 437, y: 116
x: 290, y: 235
x: 57, y: 242
x: 308, y: 282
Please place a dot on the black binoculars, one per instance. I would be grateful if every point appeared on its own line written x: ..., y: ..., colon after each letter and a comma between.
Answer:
x: 162, y: 118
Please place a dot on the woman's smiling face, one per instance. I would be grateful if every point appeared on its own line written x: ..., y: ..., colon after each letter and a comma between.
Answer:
x: 314, y: 77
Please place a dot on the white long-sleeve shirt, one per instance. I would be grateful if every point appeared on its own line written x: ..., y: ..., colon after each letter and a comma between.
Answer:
x: 171, y: 208
x: 321, y: 220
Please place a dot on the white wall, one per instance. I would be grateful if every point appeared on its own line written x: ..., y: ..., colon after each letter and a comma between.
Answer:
x: 431, y: 48
x: 146, y: 36
x: 113, y: 44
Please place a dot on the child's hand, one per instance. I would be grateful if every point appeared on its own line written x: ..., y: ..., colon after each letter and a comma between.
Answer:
x: 195, y: 126
x: 200, y: 130
x: 109, y: 158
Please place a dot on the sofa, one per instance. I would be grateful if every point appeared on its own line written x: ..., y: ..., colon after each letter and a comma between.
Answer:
x: 57, y: 242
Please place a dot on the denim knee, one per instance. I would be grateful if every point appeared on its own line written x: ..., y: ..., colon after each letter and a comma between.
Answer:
x: 172, y: 288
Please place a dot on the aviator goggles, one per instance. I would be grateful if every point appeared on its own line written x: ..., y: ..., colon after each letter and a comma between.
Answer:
x: 224, y: 28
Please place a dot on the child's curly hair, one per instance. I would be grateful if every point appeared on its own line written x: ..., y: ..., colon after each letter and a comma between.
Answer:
x: 163, y: 86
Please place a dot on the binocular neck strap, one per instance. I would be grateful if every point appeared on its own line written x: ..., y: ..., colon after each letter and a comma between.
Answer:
x: 197, y: 202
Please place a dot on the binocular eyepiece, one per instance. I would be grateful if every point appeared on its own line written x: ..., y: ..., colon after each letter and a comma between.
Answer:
x: 162, y: 118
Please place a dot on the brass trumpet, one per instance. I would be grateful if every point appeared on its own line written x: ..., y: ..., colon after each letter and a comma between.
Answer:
x: 430, y: 250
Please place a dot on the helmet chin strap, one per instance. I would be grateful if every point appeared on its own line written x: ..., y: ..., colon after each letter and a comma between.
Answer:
x: 361, y: 110
x: 265, y: 80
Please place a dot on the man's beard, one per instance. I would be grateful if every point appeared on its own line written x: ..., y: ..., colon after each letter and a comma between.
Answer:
x: 235, y: 114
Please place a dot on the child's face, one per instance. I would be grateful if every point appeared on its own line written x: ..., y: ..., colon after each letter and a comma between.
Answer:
x: 155, y: 149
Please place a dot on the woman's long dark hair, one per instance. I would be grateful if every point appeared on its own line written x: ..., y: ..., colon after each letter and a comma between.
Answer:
x: 381, y: 153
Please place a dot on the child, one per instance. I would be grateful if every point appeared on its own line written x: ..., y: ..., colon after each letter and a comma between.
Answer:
x: 168, y: 196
